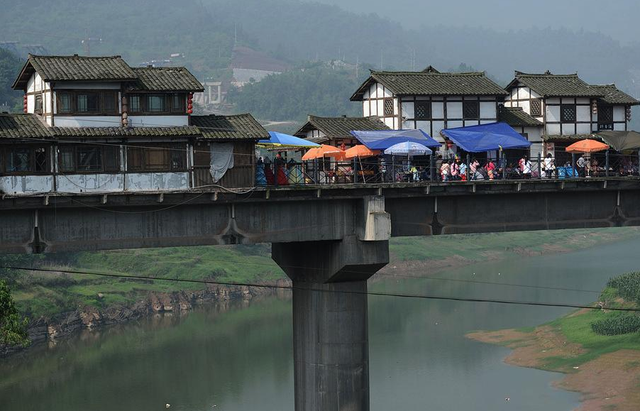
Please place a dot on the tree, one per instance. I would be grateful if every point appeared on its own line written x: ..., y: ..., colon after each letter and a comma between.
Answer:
x: 13, y: 327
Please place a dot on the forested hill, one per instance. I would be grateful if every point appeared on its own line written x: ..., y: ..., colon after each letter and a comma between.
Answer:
x: 9, y: 67
x: 299, y: 31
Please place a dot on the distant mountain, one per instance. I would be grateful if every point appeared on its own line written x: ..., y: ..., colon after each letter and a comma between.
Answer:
x: 293, y: 31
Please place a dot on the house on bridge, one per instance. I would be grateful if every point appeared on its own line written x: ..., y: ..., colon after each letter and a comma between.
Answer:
x: 430, y: 100
x: 567, y: 109
x: 95, y: 124
x: 336, y: 131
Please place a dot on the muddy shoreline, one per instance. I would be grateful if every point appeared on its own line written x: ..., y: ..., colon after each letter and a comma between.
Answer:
x: 607, y: 382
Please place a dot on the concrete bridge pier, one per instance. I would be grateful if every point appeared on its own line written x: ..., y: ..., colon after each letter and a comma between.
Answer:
x: 330, y: 324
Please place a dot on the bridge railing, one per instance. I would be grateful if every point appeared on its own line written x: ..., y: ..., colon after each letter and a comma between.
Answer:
x: 407, y: 170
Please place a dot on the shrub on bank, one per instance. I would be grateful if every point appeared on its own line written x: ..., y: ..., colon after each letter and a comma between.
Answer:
x: 628, y: 286
x: 617, y: 324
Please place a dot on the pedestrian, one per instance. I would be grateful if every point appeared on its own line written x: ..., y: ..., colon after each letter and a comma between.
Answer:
x: 444, y: 170
x: 581, y: 165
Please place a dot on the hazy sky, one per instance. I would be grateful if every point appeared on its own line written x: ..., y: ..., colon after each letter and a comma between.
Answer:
x: 619, y: 19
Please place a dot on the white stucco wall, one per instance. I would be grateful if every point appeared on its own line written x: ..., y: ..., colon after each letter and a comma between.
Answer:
x: 158, y: 121
x: 82, y: 183
x: 157, y: 181
x: 26, y: 184
x: 88, y: 121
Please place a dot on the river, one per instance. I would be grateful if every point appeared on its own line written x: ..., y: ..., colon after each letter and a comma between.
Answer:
x: 240, y: 357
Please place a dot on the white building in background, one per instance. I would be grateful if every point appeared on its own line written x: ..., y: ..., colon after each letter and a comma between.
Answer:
x: 430, y: 100
x: 567, y: 107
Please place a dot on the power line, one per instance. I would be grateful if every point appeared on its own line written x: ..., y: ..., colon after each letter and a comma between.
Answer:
x: 293, y: 287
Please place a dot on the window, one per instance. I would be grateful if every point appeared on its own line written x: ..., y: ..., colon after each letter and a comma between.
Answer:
x: 605, y: 117
x: 156, y: 103
x: 388, y: 107
x: 177, y: 103
x: 423, y: 110
x: 166, y: 158
x: 536, y: 108
x: 38, y: 104
x: 64, y: 103
x: 135, y: 105
x: 471, y: 110
x: 18, y: 160
x: 88, y: 102
x: 25, y: 160
x: 110, y: 102
x: 568, y: 113
x: 89, y: 159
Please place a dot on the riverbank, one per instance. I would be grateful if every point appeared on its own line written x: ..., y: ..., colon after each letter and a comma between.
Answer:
x: 605, y: 369
x: 63, y: 303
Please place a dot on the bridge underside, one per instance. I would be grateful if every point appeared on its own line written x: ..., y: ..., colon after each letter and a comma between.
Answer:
x: 98, y: 222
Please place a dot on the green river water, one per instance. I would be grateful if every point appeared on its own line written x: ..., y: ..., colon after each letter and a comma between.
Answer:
x: 240, y: 357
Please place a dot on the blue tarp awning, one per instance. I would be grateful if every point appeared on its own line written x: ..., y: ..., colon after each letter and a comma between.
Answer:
x: 383, y: 139
x: 281, y: 140
x: 486, y: 137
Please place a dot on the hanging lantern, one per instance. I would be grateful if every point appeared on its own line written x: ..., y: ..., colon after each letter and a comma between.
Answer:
x: 26, y: 103
x: 628, y: 113
x: 594, y: 107
x: 449, y: 144
x: 190, y: 104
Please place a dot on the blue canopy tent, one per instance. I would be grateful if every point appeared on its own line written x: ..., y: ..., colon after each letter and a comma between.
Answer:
x: 486, y: 137
x: 383, y: 139
x: 284, y: 141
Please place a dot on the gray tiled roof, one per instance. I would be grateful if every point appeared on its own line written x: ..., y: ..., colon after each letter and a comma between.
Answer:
x: 555, y: 85
x: 79, y: 68
x: 517, y: 117
x: 570, y: 85
x: 432, y: 82
x: 611, y: 95
x: 21, y: 126
x: 183, y: 131
x: 340, y: 127
x: 166, y: 79
x: 568, y: 137
x: 109, y: 69
x: 233, y: 127
x: 242, y: 126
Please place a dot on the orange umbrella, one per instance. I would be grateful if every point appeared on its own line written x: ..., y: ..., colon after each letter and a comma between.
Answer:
x: 360, y: 151
x: 586, y: 146
x: 324, y: 151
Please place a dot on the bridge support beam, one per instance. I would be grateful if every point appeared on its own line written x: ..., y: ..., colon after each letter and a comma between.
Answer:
x: 330, y: 331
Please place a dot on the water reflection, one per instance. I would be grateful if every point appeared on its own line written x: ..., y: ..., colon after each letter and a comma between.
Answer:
x: 240, y: 358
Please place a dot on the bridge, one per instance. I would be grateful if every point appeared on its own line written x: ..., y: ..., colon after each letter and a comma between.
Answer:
x: 328, y: 239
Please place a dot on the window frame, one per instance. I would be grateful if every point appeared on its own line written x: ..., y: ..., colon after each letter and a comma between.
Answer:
x: 572, y: 107
x: 103, y: 95
x: 169, y: 106
x: 428, y: 110
x: 103, y: 150
x: 385, y: 102
x: 32, y: 161
x: 538, y: 102
x: 468, y: 103
x: 602, y: 124
x: 140, y: 154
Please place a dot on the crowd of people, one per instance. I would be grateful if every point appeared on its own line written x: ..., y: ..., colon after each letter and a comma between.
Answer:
x: 281, y: 171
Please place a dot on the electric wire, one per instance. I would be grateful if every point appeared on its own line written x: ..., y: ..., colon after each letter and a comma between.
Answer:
x: 312, y: 289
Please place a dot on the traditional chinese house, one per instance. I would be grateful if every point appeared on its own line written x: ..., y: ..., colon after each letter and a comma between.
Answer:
x: 94, y: 124
x: 336, y: 131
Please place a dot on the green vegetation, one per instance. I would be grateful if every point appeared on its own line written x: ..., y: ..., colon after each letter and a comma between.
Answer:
x: 13, y: 327
x: 9, y: 68
x: 601, y: 332
x: 312, y: 89
x: 627, y: 286
x: 46, y: 294
x: 617, y: 324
